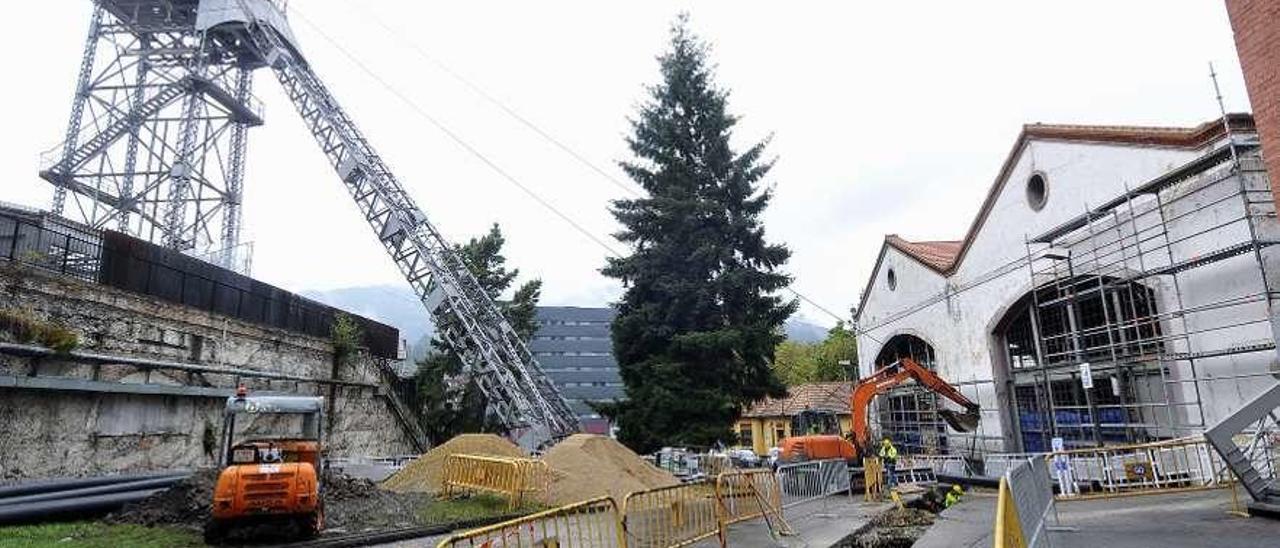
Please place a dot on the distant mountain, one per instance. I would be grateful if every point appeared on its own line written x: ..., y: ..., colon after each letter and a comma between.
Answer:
x: 801, y: 331
x: 398, y: 307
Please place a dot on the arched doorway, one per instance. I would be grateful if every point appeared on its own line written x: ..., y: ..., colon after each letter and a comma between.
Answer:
x: 1109, y: 324
x: 909, y: 414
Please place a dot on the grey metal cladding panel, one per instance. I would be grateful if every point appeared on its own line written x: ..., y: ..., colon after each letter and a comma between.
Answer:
x: 571, y: 346
x: 560, y: 362
x: 603, y: 375
x: 599, y: 331
x: 574, y: 313
x: 592, y: 392
x: 581, y: 408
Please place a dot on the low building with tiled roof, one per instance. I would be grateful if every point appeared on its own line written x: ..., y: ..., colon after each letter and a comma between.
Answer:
x: 766, y: 423
x: 1112, y: 288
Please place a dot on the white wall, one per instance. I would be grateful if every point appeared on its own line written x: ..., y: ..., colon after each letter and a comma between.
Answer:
x: 957, y: 316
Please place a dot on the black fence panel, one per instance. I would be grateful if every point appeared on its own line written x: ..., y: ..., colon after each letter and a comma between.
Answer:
x: 141, y: 267
x: 121, y: 261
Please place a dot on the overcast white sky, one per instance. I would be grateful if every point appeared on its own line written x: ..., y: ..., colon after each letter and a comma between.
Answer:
x: 888, y: 116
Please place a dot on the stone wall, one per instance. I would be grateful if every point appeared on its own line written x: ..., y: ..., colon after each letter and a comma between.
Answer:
x: 81, y: 413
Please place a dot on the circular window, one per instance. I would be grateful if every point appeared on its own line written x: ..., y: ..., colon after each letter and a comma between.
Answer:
x: 891, y: 278
x: 1037, y: 191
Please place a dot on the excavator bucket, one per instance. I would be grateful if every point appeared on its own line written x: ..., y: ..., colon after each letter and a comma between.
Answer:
x: 960, y: 422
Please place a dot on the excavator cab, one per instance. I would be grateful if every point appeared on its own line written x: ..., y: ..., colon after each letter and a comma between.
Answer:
x: 269, y: 465
x: 814, y: 421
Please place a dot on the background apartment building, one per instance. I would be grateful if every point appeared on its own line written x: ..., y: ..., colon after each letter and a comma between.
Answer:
x: 573, y: 346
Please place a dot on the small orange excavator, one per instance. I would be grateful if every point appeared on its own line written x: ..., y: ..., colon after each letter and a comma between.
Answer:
x: 859, y: 443
x: 270, y: 465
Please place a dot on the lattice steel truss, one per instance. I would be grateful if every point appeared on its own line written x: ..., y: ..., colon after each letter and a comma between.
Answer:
x: 155, y: 145
x: 175, y: 95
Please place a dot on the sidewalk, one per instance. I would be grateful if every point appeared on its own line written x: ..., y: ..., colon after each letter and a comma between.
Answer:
x: 817, y: 524
x: 965, y: 525
x: 1191, y: 520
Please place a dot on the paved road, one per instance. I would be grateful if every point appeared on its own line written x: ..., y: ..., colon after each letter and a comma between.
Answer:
x: 1191, y: 520
x: 819, y: 523
x: 965, y: 525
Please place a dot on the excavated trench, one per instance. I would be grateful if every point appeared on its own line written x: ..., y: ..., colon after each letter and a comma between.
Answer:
x: 894, y: 528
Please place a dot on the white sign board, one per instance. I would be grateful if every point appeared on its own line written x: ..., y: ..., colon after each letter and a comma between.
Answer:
x: 1086, y: 376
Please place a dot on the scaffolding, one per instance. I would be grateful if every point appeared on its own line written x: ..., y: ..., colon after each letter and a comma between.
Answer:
x: 909, y: 414
x: 1151, y: 313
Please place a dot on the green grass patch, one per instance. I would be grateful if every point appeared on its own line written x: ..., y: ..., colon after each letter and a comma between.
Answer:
x: 92, y: 534
x: 473, y: 507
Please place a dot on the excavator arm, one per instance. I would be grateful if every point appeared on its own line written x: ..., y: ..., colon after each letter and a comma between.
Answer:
x: 895, y: 374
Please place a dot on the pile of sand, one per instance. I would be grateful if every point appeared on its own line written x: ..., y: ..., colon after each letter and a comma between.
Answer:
x: 586, y: 466
x: 426, y: 472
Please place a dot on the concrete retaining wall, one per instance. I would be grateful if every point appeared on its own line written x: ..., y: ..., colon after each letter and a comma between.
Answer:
x: 60, y: 415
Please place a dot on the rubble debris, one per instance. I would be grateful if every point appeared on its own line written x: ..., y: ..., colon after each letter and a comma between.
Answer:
x: 426, y: 473
x: 186, y: 503
x: 894, y: 528
x: 586, y: 466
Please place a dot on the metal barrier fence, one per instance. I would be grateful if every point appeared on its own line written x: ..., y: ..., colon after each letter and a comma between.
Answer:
x: 1032, y: 494
x: 672, y: 516
x: 996, y: 464
x: 512, y: 478
x: 1181, y: 464
x: 1008, y: 529
x: 747, y: 495
x: 806, y: 481
x: 951, y: 465
x: 594, y: 523
x: 873, y: 478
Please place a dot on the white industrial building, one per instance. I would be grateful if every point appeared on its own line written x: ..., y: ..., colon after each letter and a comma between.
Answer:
x: 1142, y: 252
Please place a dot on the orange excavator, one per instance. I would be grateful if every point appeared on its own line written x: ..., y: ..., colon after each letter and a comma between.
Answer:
x: 859, y: 443
x: 270, y: 462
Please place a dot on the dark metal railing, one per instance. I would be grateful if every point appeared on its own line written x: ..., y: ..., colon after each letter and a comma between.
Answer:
x: 124, y: 262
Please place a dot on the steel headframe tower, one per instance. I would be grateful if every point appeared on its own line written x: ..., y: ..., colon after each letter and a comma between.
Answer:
x: 185, y: 67
x: 155, y: 145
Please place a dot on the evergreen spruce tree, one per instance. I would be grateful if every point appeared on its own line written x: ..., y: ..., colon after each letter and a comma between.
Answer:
x: 448, y: 406
x: 697, y: 326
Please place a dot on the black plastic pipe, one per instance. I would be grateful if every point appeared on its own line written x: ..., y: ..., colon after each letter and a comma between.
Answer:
x: 63, y: 484
x: 85, y: 506
x: 158, y: 483
x: 980, y: 481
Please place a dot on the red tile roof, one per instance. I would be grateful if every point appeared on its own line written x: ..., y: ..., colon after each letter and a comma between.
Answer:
x: 938, y: 255
x: 821, y: 396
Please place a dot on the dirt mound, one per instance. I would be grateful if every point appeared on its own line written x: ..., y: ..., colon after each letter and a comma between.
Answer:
x: 587, y: 466
x: 426, y: 472
x: 186, y: 503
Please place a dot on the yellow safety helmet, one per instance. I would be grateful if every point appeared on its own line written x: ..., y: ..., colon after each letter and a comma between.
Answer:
x: 957, y: 488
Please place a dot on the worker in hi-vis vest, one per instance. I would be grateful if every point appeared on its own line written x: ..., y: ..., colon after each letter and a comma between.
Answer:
x: 889, y: 456
x: 953, y: 496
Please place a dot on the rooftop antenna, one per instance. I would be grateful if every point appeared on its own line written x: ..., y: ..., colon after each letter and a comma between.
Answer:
x: 1226, y: 124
